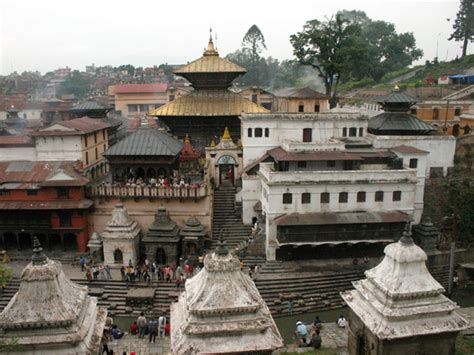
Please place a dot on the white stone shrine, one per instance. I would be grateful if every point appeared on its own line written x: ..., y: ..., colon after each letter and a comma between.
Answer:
x: 121, y: 238
x: 50, y: 314
x: 400, y: 308
x: 221, y: 311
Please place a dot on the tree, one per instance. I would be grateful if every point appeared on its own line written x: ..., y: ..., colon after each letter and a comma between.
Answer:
x: 333, y: 47
x: 387, y: 50
x: 75, y: 83
x: 464, y: 25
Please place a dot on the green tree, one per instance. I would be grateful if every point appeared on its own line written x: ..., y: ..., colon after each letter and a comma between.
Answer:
x: 332, y: 47
x: 387, y: 50
x: 75, y: 83
x: 464, y: 25
x: 254, y: 40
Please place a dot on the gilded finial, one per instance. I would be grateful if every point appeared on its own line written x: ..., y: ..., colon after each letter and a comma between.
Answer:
x: 226, y: 134
x: 210, y: 50
x: 213, y: 143
x: 396, y: 88
x: 187, y: 140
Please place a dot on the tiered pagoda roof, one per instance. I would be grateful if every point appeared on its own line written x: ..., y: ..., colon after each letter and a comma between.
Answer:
x: 163, y: 229
x: 188, y: 153
x: 399, y: 298
x: 193, y: 230
x: 50, y: 314
x: 121, y: 226
x: 222, y: 312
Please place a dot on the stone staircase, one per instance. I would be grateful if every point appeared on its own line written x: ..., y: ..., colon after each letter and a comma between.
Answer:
x: 457, y: 95
x: 226, y: 219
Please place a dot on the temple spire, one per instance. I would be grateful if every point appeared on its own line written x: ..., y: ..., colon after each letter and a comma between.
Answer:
x: 406, y: 238
x: 210, y: 50
x: 222, y: 247
x: 38, y: 257
x: 226, y: 134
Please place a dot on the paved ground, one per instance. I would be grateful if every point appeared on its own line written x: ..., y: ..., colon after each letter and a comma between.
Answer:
x: 130, y: 343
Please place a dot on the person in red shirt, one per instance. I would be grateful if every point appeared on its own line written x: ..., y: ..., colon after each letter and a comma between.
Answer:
x: 167, y: 328
x: 134, y: 328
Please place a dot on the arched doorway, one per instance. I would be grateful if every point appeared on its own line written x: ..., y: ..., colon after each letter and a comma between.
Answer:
x: 150, y: 173
x: 226, y: 170
x: 456, y: 130
x: 192, y: 249
x: 160, y: 256
x: 118, y: 256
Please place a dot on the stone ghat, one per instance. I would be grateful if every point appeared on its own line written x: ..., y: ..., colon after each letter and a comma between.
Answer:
x: 277, y: 283
x: 149, y: 192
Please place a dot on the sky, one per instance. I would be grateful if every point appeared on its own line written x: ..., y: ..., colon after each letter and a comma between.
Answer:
x: 48, y: 34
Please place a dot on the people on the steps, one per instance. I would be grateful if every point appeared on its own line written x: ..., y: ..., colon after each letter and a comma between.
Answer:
x: 341, y: 322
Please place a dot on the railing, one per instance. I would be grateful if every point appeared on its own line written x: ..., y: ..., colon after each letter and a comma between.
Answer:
x: 149, y: 192
x: 336, y: 176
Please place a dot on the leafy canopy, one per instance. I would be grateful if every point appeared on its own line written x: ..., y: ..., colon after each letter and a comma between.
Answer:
x: 464, y: 25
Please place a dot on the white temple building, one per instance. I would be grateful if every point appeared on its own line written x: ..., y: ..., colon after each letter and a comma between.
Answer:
x: 400, y: 308
x: 50, y: 314
x: 222, y: 312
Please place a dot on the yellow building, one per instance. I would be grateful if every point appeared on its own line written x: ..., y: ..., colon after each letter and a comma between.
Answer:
x: 134, y: 100
x: 444, y: 115
x: 259, y: 96
x: 300, y: 100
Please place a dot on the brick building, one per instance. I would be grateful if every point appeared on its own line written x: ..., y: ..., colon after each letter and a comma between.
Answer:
x: 43, y: 199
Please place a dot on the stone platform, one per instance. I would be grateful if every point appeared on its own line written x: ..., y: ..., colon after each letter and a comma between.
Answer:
x: 131, y: 343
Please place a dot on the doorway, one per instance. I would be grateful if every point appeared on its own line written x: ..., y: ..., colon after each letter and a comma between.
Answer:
x: 226, y: 170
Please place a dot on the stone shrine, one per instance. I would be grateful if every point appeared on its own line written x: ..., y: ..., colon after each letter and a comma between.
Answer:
x: 95, y: 247
x: 400, y: 308
x: 121, y: 238
x: 426, y: 235
x: 221, y: 311
x: 50, y: 314
x: 193, y: 237
x: 162, y: 240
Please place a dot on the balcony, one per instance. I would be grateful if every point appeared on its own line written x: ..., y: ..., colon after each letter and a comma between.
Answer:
x: 273, y: 177
x: 152, y: 192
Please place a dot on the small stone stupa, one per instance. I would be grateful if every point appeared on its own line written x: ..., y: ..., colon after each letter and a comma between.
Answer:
x: 193, y: 235
x: 400, y: 308
x: 162, y: 239
x: 95, y: 247
x: 222, y: 312
x: 50, y: 314
x: 121, y: 238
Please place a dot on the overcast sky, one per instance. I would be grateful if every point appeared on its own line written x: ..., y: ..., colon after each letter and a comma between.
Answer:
x: 47, y: 34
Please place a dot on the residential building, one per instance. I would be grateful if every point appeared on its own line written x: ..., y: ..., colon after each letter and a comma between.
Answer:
x: 44, y: 199
x: 259, y: 96
x: 299, y: 100
x: 81, y: 139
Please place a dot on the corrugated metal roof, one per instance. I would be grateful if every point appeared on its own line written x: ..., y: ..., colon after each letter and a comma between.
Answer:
x: 45, y: 205
x: 322, y: 218
x: 209, y: 103
x: 146, y: 141
x: 397, y: 97
x: 398, y: 121
x: 210, y: 64
x: 408, y: 150
x: 140, y: 88
x: 89, y: 106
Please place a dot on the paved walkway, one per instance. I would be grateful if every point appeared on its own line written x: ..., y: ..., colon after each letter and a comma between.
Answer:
x: 131, y: 343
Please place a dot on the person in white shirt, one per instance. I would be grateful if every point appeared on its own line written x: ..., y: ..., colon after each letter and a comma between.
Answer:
x: 341, y: 322
x: 161, y: 326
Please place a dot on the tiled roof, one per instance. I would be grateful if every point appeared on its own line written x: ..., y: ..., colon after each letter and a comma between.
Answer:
x: 141, y: 88
x: 78, y: 126
x: 209, y: 103
x: 16, y: 140
x: 399, y: 121
x: 300, y: 93
x: 45, y: 205
x: 146, y: 141
x: 396, y: 97
x: 89, y: 106
x: 44, y: 173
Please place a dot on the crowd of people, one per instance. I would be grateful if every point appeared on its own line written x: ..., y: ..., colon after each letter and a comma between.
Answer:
x: 95, y: 271
x: 310, y: 335
x: 176, y: 180
x: 152, y: 327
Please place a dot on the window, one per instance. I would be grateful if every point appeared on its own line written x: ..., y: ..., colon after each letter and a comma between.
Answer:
x: 258, y: 132
x: 249, y: 132
x: 87, y: 158
x: 378, y: 196
x: 287, y: 199
x: 305, y: 197
x: 65, y: 219
x: 343, y: 197
x: 103, y: 134
x: 85, y: 141
x: 267, y: 105
x: 457, y: 111
x: 267, y: 132
x: 96, y: 154
x: 302, y: 164
x: 254, y: 98
x: 4, y: 193
x: 413, y: 163
x: 105, y: 147
x: 361, y: 196
x: 435, y: 113
x: 316, y: 108
x: 132, y: 108
x: 352, y: 132
x: 25, y: 116
x: 143, y: 108
x: 63, y: 192
x: 397, y: 196
x: 307, y: 134
x: 32, y: 192
x: 361, y: 132
x: 300, y: 108
x: 325, y: 197
x: 413, y: 111
x: 344, y: 132
x: 171, y: 98
x: 95, y: 137
x: 331, y: 163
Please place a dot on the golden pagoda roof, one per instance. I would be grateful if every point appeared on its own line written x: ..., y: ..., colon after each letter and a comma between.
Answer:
x: 209, y: 102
